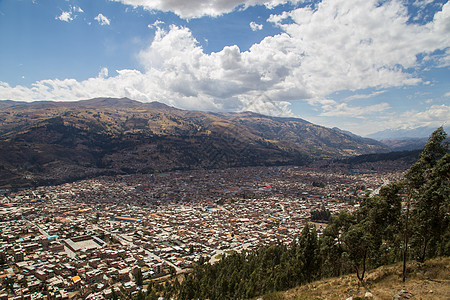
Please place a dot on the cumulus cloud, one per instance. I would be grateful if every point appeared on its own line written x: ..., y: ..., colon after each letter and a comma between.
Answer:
x: 432, y: 116
x: 353, y: 44
x: 255, y: 27
x: 102, y: 20
x: 65, y: 16
x: 337, y: 45
x: 68, y: 16
x: 188, y: 9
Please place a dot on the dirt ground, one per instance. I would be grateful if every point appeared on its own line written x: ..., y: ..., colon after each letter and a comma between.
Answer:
x: 430, y: 280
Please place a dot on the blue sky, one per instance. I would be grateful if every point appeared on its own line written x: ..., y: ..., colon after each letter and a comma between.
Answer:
x: 362, y: 66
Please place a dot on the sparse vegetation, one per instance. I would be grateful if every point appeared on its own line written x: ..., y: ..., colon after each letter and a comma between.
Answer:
x: 429, y: 280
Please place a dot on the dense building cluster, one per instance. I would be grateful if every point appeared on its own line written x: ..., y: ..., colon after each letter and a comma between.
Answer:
x: 95, y: 237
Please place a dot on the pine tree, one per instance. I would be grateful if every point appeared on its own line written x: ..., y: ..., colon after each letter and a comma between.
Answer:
x: 309, y: 253
x: 419, y: 201
x: 430, y: 215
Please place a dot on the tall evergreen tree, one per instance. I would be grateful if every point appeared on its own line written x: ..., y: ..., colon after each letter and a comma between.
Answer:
x: 309, y: 248
x: 430, y: 215
x: 419, y: 202
x: 381, y: 216
x: 332, y: 248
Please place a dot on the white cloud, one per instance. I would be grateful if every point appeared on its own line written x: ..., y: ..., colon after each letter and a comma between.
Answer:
x: 188, y: 9
x: 433, y: 116
x: 264, y: 105
x: 255, y: 27
x: 364, y: 96
x: 353, y: 44
x: 155, y: 24
x: 70, y: 15
x: 340, y: 45
x: 344, y: 110
x: 103, y: 73
x: 102, y: 20
x: 443, y: 60
x: 422, y: 3
x: 65, y: 16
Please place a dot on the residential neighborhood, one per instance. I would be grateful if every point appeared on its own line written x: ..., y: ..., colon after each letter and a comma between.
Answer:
x: 89, y: 239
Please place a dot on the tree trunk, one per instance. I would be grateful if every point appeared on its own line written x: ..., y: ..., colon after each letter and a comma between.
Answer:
x: 363, y: 271
x: 424, y: 250
x: 405, y: 241
x: 364, y: 266
x: 357, y: 273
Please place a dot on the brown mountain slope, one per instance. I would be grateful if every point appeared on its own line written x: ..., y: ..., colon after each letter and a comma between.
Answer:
x: 317, y: 140
x: 48, y: 142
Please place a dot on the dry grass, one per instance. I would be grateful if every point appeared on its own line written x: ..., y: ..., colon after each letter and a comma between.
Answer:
x: 430, y: 280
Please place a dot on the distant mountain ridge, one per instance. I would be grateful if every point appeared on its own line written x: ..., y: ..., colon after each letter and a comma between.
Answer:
x: 405, y: 139
x: 49, y: 142
x: 408, y: 133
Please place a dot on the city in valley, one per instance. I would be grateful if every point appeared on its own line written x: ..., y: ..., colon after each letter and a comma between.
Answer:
x: 88, y: 239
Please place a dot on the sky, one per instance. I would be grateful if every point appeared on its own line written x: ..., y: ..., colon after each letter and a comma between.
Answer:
x: 360, y: 65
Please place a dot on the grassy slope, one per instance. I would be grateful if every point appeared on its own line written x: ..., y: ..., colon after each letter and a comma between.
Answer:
x: 430, y: 280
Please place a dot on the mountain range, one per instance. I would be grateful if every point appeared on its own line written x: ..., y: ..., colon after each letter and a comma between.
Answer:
x: 405, y: 139
x: 408, y: 133
x: 51, y: 142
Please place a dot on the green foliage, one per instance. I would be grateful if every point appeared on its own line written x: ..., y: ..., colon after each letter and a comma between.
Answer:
x: 321, y: 215
x: 249, y: 274
x: 318, y: 184
x: 2, y: 258
x: 381, y: 216
x: 428, y: 192
x: 358, y: 245
x: 138, y: 276
x: 430, y: 214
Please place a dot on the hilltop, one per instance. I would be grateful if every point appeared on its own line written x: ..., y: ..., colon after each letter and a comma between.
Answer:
x: 428, y: 280
x: 49, y: 142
